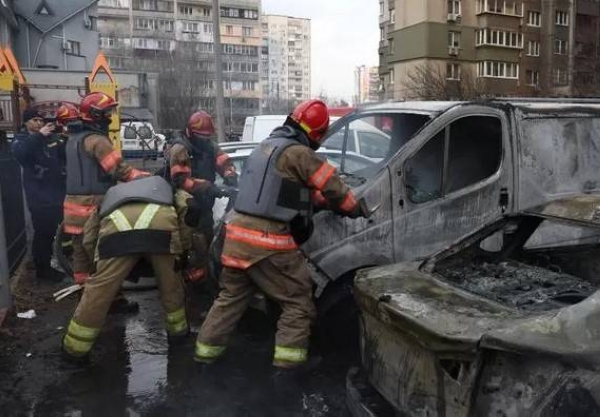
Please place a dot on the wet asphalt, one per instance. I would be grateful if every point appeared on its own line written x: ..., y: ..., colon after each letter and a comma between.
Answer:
x: 134, y: 372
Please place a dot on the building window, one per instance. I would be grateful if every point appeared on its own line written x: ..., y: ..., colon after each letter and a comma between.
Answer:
x: 190, y: 27
x: 205, y: 12
x: 247, y: 31
x: 392, y: 76
x: 74, y: 48
x: 381, y: 34
x: 560, y: 47
x: 251, y: 14
x: 533, y: 48
x: 454, y: 7
x: 534, y: 19
x: 453, y: 72
x: 392, y: 16
x: 145, y: 5
x: 164, y: 45
x: 392, y: 45
x: 499, y: 38
x: 560, y: 76
x: 141, y: 23
x: 495, y: 69
x: 532, y: 78
x: 229, y: 30
x: 106, y: 42
x: 454, y: 39
x: 208, y: 28
x: 562, y: 18
x: 507, y: 7
x: 185, y: 10
x: 165, y: 25
x: 380, y: 8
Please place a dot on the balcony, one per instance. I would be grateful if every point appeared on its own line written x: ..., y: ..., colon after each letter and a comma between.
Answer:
x: 501, y: 9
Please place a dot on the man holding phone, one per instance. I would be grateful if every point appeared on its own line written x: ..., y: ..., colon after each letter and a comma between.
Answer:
x: 41, y: 154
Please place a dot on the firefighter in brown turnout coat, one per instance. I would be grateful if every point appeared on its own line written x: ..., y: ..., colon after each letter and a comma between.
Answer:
x: 93, y: 166
x: 137, y: 220
x: 261, y: 240
x: 194, y: 161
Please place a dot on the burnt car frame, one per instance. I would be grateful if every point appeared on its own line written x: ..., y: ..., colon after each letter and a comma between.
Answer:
x: 500, y: 321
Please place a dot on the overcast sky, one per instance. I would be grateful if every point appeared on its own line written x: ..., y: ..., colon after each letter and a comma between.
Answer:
x: 344, y: 35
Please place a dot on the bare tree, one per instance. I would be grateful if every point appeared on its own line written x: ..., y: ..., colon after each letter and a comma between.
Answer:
x: 186, y: 85
x: 430, y: 82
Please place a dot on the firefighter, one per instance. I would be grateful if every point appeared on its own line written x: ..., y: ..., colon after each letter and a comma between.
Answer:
x: 41, y: 154
x: 139, y: 220
x: 67, y: 119
x: 281, y: 181
x: 93, y: 166
x: 194, y: 161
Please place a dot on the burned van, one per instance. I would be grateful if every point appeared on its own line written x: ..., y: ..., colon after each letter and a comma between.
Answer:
x: 437, y: 171
x: 489, y: 327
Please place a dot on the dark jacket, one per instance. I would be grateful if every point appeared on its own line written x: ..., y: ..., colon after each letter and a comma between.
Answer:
x: 44, y: 167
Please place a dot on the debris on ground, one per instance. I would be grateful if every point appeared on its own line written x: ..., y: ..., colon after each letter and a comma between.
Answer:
x: 29, y: 314
x: 517, y: 284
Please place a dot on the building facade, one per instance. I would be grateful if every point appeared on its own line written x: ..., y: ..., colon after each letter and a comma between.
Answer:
x: 366, y: 85
x: 286, y: 60
x: 175, y: 39
x: 57, y: 34
x: 485, y: 47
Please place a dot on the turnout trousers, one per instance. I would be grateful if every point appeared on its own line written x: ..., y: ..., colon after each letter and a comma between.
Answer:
x: 284, y: 278
x: 104, y: 285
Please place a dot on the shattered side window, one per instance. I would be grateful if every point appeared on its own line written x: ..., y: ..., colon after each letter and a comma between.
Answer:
x: 474, y: 151
x: 424, y: 171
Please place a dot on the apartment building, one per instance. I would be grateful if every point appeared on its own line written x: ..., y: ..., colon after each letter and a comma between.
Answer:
x: 366, y: 85
x: 175, y: 37
x: 501, y: 47
x: 286, y: 59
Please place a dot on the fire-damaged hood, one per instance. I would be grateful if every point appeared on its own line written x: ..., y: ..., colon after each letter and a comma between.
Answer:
x: 412, y: 298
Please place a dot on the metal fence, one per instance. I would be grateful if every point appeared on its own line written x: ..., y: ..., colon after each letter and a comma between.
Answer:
x: 13, y: 235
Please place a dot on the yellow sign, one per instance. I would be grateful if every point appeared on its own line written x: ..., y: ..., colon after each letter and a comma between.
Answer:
x: 102, y: 80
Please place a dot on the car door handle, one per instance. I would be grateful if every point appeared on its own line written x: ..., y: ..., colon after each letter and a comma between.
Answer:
x: 401, y: 203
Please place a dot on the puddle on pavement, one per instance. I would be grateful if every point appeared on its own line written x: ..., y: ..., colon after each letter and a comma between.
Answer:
x: 134, y: 372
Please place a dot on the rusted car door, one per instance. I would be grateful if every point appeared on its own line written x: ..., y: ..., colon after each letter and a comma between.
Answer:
x: 453, y: 178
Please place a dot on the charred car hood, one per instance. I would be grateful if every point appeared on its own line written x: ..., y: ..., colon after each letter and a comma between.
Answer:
x: 412, y: 299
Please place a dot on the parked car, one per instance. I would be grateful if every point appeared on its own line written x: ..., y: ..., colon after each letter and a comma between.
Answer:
x: 239, y: 152
x: 139, y: 140
x: 488, y: 327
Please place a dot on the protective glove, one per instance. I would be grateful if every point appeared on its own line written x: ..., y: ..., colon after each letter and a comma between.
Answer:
x: 217, y: 192
x: 361, y: 210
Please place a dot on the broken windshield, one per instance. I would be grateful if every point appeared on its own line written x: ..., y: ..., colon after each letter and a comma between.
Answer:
x: 372, y: 139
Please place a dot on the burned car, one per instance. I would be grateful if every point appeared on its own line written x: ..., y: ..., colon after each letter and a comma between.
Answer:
x: 501, y: 321
x: 490, y: 331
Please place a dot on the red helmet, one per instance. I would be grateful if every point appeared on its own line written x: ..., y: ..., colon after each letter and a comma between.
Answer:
x: 200, y: 123
x: 66, y: 114
x: 313, y: 118
x: 97, y: 106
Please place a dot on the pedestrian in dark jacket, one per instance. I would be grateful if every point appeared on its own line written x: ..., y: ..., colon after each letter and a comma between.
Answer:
x: 41, y: 154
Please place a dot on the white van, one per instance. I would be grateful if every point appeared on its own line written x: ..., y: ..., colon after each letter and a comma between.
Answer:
x: 258, y: 128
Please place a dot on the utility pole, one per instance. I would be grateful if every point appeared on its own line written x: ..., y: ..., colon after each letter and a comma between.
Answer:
x: 220, y: 100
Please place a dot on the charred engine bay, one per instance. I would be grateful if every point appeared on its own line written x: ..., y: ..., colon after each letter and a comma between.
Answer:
x: 533, y: 283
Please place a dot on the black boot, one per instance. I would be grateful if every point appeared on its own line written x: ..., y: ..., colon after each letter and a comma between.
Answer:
x: 123, y: 306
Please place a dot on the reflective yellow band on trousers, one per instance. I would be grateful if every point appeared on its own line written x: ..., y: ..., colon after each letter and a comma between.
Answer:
x: 79, y: 339
x: 208, y: 352
x: 288, y: 354
x: 82, y: 332
x: 176, y: 322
